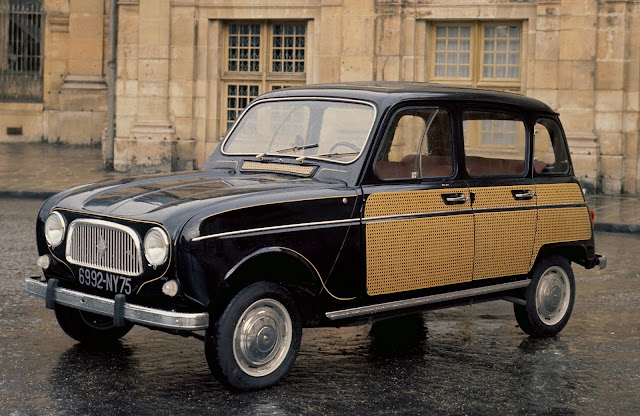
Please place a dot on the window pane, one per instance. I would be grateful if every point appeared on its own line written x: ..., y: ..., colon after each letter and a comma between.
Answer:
x: 495, y: 143
x: 324, y: 126
x: 418, y: 145
x: 243, y: 53
x: 238, y: 97
x: 288, y: 47
x: 496, y: 62
x: 550, y: 153
x: 452, y: 56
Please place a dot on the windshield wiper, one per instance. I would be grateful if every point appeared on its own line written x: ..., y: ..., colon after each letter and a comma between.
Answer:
x: 296, y: 148
x: 261, y: 156
x: 336, y: 154
x: 302, y: 158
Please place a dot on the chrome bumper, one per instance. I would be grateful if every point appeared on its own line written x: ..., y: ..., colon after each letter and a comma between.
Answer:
x: 602, y: 261
x: 119, y: 310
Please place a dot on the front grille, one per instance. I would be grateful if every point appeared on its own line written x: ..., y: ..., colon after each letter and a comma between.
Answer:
x: 105, y: 246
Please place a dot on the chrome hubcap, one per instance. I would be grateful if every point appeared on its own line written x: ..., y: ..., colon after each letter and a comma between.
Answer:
x: 553, y: 295
x: 262, y: 337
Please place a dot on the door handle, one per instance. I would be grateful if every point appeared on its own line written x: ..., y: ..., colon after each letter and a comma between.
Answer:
x: 524, y: 194
x: 452, y: 199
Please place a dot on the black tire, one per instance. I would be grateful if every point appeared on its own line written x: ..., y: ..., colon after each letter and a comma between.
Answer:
x: 89, y: 328
x: 236, y: 355
x: 549, y: 297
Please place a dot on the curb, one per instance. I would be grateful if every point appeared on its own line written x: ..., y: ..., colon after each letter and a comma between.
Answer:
x: 27, y: 194
x: 610, y: 227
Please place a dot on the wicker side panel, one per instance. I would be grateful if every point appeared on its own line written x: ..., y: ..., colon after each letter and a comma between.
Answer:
x: 561, y: 193
x: 412, y: 202
x: 504, y: 243
x: 419, y: 253
x: 559, y: 225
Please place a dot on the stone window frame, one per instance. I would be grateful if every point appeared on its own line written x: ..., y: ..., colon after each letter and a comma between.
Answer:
x: 475, y: 77
x: 265, y: 79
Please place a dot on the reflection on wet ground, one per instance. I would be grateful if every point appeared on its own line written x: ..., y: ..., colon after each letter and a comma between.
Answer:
x: 468, y: 360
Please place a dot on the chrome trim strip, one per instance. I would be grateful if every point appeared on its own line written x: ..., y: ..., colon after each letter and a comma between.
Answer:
x: 563, y: 205
x: 425, y: 300
x: 305, y: 98
x: 277, y: 227
x: 134, y: 313
x: 416, y: 215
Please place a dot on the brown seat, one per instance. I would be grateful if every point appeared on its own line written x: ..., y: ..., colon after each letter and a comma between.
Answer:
x: 477, y: 165
x: 432, y: 167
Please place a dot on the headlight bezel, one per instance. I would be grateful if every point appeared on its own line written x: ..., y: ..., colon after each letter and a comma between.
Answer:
x: 150, y: 252
x: 55, y: 216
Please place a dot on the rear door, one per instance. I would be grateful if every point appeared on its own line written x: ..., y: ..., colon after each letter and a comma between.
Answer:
x: 503, y: 193
x: 418, y: 223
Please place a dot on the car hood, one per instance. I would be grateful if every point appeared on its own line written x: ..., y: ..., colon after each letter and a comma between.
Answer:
x: 171, y: 197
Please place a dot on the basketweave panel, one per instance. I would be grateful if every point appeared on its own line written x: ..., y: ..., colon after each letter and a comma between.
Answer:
x: 501, y: 196
x: 419, y: 253
x: 277, y: 167
x: 412, y: 202
x: 560, y: 193
x: 504, y: 243
x: 559, y: 225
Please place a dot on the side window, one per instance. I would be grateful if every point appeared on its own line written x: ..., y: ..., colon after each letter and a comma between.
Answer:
x: 550, y: 153
x: 417, y: 145
x: 495, y: 143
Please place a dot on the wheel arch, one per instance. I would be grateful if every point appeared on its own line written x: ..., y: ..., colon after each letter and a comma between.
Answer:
x: 573, y: 252
x: 279, y: 265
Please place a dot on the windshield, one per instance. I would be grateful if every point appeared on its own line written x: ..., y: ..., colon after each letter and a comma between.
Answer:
x: 305, y: 128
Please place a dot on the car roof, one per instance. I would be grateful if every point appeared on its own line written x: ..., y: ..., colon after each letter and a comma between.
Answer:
x: 384, y: 92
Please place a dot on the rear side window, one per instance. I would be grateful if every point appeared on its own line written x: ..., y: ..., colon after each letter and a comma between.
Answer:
x: 417, y: 145
x: 495, y: 143
x: 550, y: 153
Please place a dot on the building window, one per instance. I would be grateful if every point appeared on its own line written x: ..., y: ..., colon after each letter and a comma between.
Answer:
x: 260, y: 56
x: 21, y: 40
x: 477, y: 54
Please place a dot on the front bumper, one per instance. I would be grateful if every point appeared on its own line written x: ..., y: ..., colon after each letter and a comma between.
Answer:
x: 119, y: 310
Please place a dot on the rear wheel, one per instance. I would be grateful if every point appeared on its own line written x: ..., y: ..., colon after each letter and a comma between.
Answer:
x: 254, y: 343
x: 549, y: 297
x: 89, y: 328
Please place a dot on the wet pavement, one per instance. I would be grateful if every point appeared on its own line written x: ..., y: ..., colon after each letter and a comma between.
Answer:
x: 35, y: 170
x: 468, y: 360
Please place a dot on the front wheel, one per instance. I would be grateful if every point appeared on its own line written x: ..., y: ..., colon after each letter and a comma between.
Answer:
x: 89, y: 328
x: 549, y: 297
x: 254, y: 343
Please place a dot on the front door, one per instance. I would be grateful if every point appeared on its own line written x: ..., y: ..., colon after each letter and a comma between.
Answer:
x: 417, y: 216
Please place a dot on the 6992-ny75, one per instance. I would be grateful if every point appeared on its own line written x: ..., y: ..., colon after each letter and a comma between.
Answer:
x: 104, y: 281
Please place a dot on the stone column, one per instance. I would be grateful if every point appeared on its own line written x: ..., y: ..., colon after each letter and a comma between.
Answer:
x: 389, y: 42
x: 83, y: 94
x: 150, y: 146
x: 358, y: 25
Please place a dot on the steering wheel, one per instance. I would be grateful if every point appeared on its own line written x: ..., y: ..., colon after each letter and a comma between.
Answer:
x: 345, y: 144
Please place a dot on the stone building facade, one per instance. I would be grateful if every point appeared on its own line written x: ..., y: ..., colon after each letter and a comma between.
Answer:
x: 186, y: 68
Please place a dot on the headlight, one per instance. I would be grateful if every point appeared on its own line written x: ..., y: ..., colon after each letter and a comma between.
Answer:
x: 54, y: 228
x: 156, y: 246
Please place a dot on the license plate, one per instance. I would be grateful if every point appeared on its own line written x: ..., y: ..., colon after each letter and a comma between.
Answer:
x: 104, y: 281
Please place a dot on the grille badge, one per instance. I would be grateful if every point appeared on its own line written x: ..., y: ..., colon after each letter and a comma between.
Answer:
x: 102, y: 247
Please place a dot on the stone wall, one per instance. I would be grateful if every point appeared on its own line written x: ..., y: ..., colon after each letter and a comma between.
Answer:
x: 582, y: 57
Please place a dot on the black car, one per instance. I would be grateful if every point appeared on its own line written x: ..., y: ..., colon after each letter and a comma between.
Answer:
x: 327, y: 205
